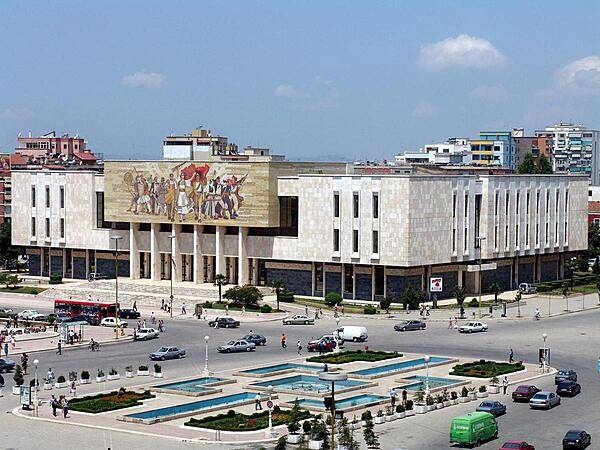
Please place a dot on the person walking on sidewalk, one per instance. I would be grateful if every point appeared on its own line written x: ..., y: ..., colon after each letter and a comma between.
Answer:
x: 393, y: 397
x: 183, y: 309
x: 65, y: 407
x: 54, y: 405
x: 450, y: 323
x: 257, y: 404
x: 504, y: 384
x: 299, y: 347
x: 6, y: 349
x: 283, y: 339
x: 59, y: 348
x: 135, y: 305
x: 24, y: 361
x: 511, y: 356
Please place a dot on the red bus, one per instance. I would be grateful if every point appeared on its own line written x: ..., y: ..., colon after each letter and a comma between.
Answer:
x: 92, y: 311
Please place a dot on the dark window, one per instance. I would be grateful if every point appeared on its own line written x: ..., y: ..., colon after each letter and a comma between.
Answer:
x: 232, y: 231
x: 120, y: 225
x: 336, y: 240
x: 288, y: 216
x: 259, y: 231
x: 318, y: 277
x: 375, y: 241
x: 336, y: 205
x: 209, y: 229
x: 144, y: 227
x: 453, y: 206
x: 47, y: 196
x: 187, y: 228
x: 355, y: 241
x: 33, y: 226
x: 62, y: 228
x: 33, y: 196
x: 375, y: 206
x: 355, y: 205
x: 47, y: 227
x: 165, y: 228
x: 348, y: 279
x: 62, y: 197
x: 379, y: 275
x: 100, y: 222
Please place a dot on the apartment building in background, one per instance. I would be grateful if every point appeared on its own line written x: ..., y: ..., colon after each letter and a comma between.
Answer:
x: 494, y: 148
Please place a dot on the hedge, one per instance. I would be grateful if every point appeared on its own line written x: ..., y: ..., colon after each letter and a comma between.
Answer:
x: 233, y: 421
x: 354, y: 355
x: 109, y: 402
x: 485, y: 369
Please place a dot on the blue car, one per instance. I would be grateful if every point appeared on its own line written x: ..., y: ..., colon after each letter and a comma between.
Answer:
x: 494, y: 408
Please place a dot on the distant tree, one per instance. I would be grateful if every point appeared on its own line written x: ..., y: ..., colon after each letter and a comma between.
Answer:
x: 410, y: 297
x: 333, y: 298
x: 496, y: 289
x: 7, y: 251
x: 460, y: 292
x: 385, y: 303
x: 346, y: 437
x: 543, y: 166
x: 528, y: 164
x: 596, y: 266
x: 369, y: 434
x: 278, y: 286
x: 247, y: 294
x: 220, y: 280
x: 593, y: 240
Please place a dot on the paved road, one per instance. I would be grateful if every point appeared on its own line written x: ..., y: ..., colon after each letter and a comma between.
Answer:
x: 572, y: 339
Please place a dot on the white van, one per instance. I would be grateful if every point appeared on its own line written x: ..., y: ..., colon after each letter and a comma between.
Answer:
x: 526, y: 288
x: 351, y: 333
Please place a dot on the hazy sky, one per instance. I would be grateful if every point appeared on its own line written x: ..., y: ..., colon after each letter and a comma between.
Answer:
x: 306, y: 78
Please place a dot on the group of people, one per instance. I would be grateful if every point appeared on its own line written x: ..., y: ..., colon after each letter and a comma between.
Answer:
x: 5, y: 340
x: 61, y: 403
x: 424, y: 310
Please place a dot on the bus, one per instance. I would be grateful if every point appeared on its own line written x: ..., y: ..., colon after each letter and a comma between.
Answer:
x: 91, y: 311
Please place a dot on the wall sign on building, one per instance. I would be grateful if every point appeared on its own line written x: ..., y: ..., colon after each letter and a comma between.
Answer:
x: 436, y: 284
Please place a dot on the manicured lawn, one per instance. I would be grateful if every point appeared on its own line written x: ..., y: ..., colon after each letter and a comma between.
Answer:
x: 485, y: 369
x: 23, y: 290
x: 233, y: 421
x: 351, y: 356
x: 108, y: 402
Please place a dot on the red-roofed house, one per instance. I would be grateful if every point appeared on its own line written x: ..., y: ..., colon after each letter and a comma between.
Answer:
x: 594, y: 213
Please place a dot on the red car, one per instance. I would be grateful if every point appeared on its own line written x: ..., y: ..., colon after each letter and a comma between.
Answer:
x: 327, y: 342
x: 517, y: 445
x: 524, y: 393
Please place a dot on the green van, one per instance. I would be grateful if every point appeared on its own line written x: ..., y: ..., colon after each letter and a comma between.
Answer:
x: 473, y: 429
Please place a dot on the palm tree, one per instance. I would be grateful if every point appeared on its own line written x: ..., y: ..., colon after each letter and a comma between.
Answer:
x: 460, y: 292
x: 495, y: 289
x: 278, y: 287
x: 220, y: 280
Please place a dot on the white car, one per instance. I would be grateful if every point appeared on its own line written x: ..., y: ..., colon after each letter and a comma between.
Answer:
x: 472, y: 327
x: 110, y: 322
x: 146, y: 333
x: 30, y: 314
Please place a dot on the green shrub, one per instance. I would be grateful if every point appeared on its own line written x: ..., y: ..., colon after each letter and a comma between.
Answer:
x: 85, y: 375
x: 400, y: 409
x: 286, y: 296
x: 232, y: 421
x: 61, y: 379
x: 157, y: 368
x: 18, y: 376
x: 354, y: 355
x: 366, y: 415
x: 207, y: 304
x: 333, y: 298
x: 266, y: 308
x: 55, y: 278
x: 482, y: 389
x: 473, y: 303
x: 464, y: 392
x: 306, y: 427
x: 142, y: 368
x: 109, y: 402
x: 32, y: 291
x: 409, y: 405
x: 369, y: 309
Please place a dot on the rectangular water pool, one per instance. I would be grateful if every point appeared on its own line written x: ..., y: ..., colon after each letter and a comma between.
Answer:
x: 417, y: 383
x: 188, y: 409
x: 308, y: 385
x: 194, y: 387
x: 279, y: 369
x: 404, y: 366
x: 345, y: 404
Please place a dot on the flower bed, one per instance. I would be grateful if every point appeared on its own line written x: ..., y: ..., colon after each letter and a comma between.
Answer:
x: 109, y: 402
x: 351, y: 356
x: 233, y: 421
x: 485, y: 369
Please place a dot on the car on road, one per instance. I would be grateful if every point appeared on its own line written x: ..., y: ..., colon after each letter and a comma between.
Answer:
x: 299, y: 320
x: 128, y: 313
x: 256, y: 339
x: 516, y: 445
x: 328, y: 340
x: 473, y: 327
x: 146, y: 333
x: 568, y: 388
x: 410, y: 325
x: 236, y: 346
x: 6, y: 365
x: 524, y: 393
x: 495, y: 408
x: 527, y: 288
x: 30, y: 314
x: 544, y: 399
x: 576, y: 439
x: 167, y: 353
x: 352, y: 333
x: 224, y: 322
x: 111, y: 322
x: 6, y: 310
x: 96, y: 276
x: 564, y: 375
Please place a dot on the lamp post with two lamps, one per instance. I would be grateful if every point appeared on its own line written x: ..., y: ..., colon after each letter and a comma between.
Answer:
x: 427, y: 359
x: 35, y: 386
x: 206, y: 371
x: 116, y: 239
x: 544, y: 361
x: 171, y: 266
x: 270, y: 408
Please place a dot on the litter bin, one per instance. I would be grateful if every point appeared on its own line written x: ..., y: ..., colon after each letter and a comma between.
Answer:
x: 503, y: 309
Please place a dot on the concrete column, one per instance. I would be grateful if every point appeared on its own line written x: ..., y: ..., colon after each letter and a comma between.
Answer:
x: 538, y: 268
x: 176, y: 253
x: 372, y: 283
x: 255, y: 271
x: 313, y: 278
x: 134, y: 256
x: 198, y: 269
x: 87, y: 262
x: 516, y: 263
x: 219, y: 268
x: 242, y: 271
x: 385, y: 293
x: 154, y: 252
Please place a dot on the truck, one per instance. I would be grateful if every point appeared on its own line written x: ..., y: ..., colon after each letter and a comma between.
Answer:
x: 472, y: 429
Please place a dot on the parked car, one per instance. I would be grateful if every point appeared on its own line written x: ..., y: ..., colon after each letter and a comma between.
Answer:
x: 544, y: 399
x: 6, y: 365
x: 410, y: 325
x: 111, y: 322
x: 224, y: 322
x: 564, y: 375
x: 6, y: 310
x: 30, y: 314
x: 236, y: 346
x: 524, y: 393
x: 527, y: 288
x: 472, y: 327
x: 328, y: 340
x: 568, y: 388
x: 128, y: 313
x: 351, y: 333
x: 576, y: 439
x: 167, y: 353
x: 493, y: 407
x: 517, y: 445
x: 473, y: 429
x: 256, y: 339
x: 299, y: 320
x: 92, y: 320
x: 96, y: 276
x: 146, y: 333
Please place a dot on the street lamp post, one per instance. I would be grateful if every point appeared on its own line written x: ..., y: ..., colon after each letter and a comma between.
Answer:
x: 518, y: 299
x: 427, y: 359
x: 116, y: 239
x: 172, y: 265
x: 206, y: 372
x: 544, y: 337
x: 35, y: 397
x: 333, y: 376
x: 270, y: 429
x: 479, y: 239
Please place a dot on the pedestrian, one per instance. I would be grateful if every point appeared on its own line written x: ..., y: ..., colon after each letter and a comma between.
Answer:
x: 393, y: 397
x: 342, y: 309
x: 139, y: 325
x: 227, y: 309
x: 504, y: 384
x: 321, y: 347
x: 53, y: 405
x: 89, y: 297
x: 450, y: 323
x: 404, y: 396
x: 299, y: 347
x: 162, y: 304
x: 59, y: 349
x: 135, y: 305
x: 24, y: 360
x: 6, y: 349
x: 1, y: 385
x: 283, y: 339
x: 325, y: 368
x: 144, y: 323
x: 65, y: 407
x: 73, y: 389
x: 50, y: 376
x: 183, y: 309
x: 511, y: 356
x: 421, y: 310
x: 257, y: 404
x: 316, y: 314
x: 306, y: 310
x: 427, y: 311
x: 152, y: 318
x: 243, y: 309
x: 455, y: 322
x: 542, y: 362
x: 134, y: 334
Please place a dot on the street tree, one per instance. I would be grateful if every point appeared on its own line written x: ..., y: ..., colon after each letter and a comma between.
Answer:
x: 543, y: 166
x: 385, y: 303
x: 220, y: 281
x: 247, y: 295
x: 528, y: 165
x: 277, y: 286
x: 496, y: 289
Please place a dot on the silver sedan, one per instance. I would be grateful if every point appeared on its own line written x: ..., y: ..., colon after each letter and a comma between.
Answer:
x: 544, y: 399
x: 236, y: 346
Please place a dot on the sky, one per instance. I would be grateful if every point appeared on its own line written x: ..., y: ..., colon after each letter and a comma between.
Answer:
x: 308, y: 79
